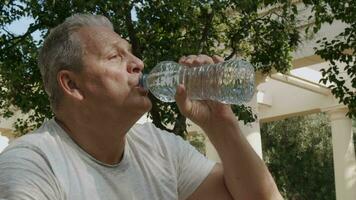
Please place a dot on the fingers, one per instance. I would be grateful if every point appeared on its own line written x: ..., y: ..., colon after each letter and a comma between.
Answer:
x: 196, y: 60
x: 183, y: 102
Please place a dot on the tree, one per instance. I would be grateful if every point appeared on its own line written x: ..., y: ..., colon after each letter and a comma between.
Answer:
x: 340, y: 50
x: 161, y: 30
x: 298, y: 152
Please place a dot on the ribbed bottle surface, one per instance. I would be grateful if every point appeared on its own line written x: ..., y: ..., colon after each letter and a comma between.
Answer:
x: 230, y: 82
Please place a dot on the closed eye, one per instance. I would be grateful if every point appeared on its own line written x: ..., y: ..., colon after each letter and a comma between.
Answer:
x: 115, y: 56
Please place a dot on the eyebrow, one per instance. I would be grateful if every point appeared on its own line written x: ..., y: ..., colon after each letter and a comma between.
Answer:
x: 129, y: 46
x: 123, y: 44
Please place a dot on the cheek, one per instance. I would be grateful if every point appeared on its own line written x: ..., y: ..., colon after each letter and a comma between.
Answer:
x: 115, y: 78
x: 115, y: 83
x: 107, y: 84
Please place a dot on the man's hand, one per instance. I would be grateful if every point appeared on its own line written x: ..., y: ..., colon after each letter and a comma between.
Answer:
x: 242, y: 174
x: 204, y: 113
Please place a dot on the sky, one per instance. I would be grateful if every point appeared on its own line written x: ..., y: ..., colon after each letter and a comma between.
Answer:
x: 20, y: 26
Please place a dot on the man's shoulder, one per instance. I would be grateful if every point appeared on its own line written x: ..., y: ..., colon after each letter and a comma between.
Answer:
x: 25, y: 168
x: 25, y: 153
x: 35, y: 140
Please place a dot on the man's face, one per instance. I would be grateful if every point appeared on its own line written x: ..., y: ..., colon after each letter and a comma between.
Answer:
x: 110, y: 75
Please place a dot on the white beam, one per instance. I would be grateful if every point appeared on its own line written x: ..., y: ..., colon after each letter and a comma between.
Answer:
x: 264, y: 98
x: 289, y: 101
x: 301, y: 83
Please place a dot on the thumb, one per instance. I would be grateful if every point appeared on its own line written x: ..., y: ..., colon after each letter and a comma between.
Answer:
x: 182, y: 100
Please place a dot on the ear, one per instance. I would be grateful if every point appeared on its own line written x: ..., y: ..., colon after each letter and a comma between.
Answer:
x: 67, y: 80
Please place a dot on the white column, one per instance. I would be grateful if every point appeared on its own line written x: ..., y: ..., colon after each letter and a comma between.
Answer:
x: 211, y: 152
x: 251, y: 132
x: 253, y: 136
x: 344, y: 154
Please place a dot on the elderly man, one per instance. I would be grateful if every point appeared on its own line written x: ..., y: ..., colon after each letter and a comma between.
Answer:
x: 92, y: 149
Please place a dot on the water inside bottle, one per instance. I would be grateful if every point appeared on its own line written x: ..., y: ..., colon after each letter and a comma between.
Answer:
x: 231, y: 82
x: 163, y: 81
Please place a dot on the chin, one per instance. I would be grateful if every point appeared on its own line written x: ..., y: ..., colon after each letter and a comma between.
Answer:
x: 145, y: 105
x: 148, y: 104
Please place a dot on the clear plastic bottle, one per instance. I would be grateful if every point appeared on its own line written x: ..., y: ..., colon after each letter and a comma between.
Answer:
x: 230, y: 82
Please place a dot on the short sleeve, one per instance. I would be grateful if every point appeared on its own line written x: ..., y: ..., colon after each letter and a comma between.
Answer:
x: 187, y: 167
x: 25, y: 175
x: 193, y: 168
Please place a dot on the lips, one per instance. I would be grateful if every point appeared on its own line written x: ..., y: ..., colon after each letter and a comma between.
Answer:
x: 141, y: 90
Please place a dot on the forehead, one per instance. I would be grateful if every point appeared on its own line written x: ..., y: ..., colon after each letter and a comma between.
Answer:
x: 100, y: 38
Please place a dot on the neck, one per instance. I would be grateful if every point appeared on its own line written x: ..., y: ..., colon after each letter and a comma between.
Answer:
x: 102, y: 139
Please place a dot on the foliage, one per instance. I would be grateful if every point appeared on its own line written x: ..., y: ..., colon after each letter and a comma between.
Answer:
x: 161, y: 30
x: 340, y: 51
x: 298, y: 152
x: 198, y: 141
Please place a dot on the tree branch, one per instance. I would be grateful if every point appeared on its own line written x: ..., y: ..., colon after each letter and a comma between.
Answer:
x: 131, y: 30
x: 18, y: 39
x: 180, y: 126
x: 156, y: 117
x: 233, y: 50
x: 207, y: 25
x: 8, y: 32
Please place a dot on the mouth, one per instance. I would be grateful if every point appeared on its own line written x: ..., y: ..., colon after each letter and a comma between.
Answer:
x: 139, y: 86
x: 141, y: 90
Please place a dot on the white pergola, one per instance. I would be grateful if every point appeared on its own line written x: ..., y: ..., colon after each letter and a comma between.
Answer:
x: 299, y: 93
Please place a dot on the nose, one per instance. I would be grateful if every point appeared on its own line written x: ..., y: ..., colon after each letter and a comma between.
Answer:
x: 135, y: 65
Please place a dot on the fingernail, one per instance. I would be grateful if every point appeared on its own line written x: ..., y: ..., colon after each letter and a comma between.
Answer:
x: 180, y: 89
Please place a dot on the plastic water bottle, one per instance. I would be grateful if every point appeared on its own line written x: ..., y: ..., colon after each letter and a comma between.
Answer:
x: 230, y: 82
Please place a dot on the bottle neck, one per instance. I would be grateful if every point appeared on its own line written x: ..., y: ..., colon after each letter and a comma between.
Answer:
x: 143, y: 81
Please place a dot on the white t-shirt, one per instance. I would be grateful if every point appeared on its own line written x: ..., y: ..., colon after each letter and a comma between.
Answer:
x: 47, y: 164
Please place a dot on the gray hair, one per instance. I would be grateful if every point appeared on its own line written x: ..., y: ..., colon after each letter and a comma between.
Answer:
x: 62, y: 50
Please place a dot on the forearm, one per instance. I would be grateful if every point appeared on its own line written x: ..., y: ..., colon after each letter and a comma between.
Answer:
x: 245, y: 174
